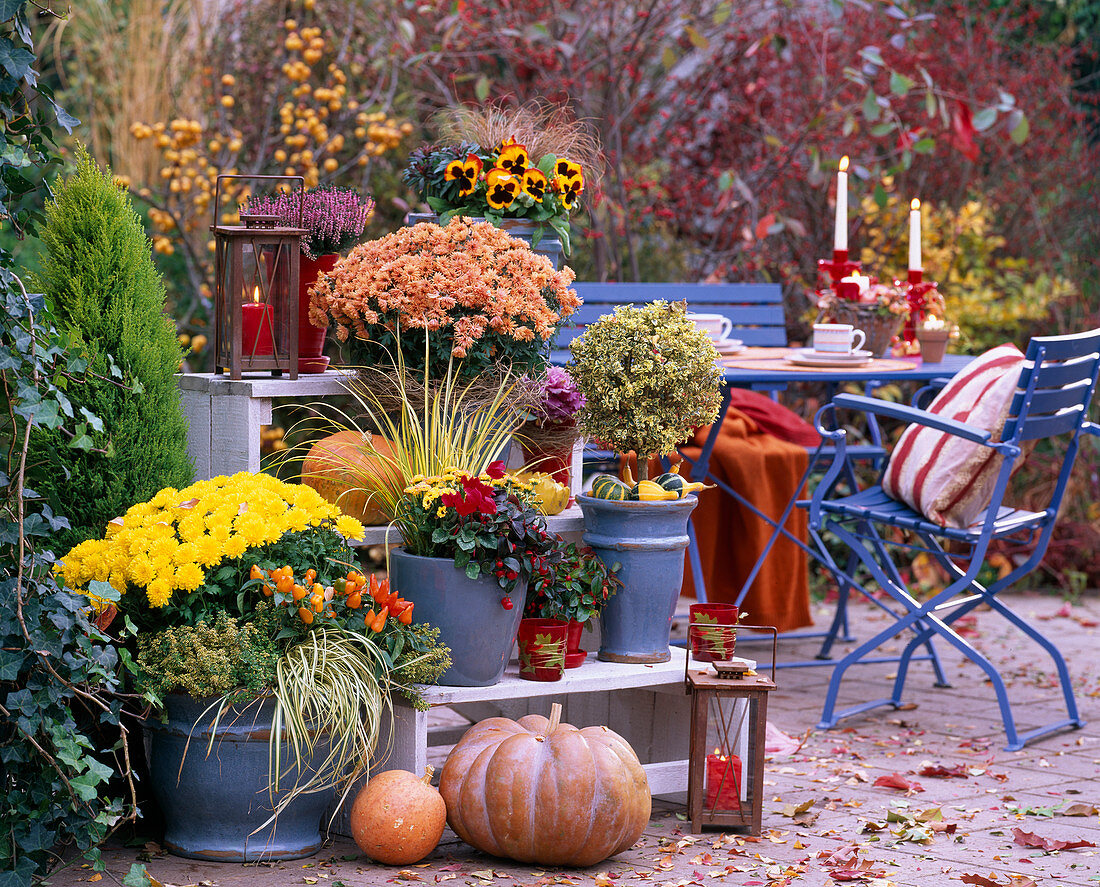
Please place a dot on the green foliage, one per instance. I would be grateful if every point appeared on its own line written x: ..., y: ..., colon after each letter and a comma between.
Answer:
x: 649, y: 378
x: 100, y: 283
x: 211, y: 658
x: 56, y: 666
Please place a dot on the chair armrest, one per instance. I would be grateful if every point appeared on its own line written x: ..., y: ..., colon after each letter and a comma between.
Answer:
x: 918, y: 417
x: 1091, y: 428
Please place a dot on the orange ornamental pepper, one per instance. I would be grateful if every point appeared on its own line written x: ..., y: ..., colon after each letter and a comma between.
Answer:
x: 305, y: 615
x: 311, y: 574
x: 269, y: 589
x: 380, y: 620
x: 299, y: 592
x: 374, y: 586
x: 317, y: 601
x: 392, y: 599
x: 355, y: 600
x: 285, y: 584
x: 406, y: 616
x: 368, y: 617
x: 255, y: 572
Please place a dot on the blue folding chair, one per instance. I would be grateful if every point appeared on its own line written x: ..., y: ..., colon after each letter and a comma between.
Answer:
x: 1053, y: 395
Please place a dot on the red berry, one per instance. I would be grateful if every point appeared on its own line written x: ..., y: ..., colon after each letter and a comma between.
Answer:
x: 506, y: 602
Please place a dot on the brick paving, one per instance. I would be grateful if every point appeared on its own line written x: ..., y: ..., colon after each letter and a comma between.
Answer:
x: 943, y: 831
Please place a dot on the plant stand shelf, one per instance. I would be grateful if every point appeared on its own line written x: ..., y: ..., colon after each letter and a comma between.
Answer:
x: 645, y: 704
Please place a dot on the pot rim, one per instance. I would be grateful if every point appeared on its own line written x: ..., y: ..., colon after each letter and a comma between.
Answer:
x: 638, y: 503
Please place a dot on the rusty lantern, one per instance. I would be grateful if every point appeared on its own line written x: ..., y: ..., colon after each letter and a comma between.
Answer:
x: 256, y: 266
x: 729, y: 714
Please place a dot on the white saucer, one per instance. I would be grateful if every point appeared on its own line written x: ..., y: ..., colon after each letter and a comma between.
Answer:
x: 728, y: 346
x: 810, y: 357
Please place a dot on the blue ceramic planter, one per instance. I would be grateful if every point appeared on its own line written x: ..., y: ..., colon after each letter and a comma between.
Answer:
x: 649, y: 540
x: 467, y: 612
x: 548, y: 244
x: 213, y: 802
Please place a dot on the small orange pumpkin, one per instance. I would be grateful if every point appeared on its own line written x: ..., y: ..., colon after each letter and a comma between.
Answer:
x: 537, y: 790
x: 345, y: 467
x: 398, y: 817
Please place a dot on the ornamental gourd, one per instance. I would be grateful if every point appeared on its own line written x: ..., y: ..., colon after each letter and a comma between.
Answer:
x: 540, y: 791
x: 344, y: 467
x: 398, y: 817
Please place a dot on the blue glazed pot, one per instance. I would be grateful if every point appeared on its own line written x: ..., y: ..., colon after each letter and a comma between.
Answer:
x: 548, y: 244
x: 649, y: 540
x: 213, y: 802
x: 467, y: 612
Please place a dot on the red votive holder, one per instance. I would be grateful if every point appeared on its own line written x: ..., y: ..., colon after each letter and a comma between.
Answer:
x: 257, y: 329
x: 723, y: 782
x: 712, y: 630
x: 542, y: 649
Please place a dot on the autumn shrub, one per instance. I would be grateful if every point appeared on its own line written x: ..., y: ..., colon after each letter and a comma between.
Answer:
x: 289, y: 89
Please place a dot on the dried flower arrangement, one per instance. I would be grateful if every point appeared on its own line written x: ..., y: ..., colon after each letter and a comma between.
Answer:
x: 467, y: 294
x: 334, y: 217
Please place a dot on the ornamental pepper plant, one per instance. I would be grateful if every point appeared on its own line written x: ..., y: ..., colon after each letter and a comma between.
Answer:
x: 488, y: 523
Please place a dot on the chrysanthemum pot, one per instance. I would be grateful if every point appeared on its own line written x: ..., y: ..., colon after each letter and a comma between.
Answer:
x: 648, y: 539
x: 213, y: 801
x: 469, y: 614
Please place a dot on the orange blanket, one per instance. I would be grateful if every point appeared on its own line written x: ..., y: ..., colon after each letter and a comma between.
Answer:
x: 766, y: 471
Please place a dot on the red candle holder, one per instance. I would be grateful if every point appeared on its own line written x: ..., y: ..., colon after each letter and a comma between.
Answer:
x: 917, y: 290
x: 839, y: 268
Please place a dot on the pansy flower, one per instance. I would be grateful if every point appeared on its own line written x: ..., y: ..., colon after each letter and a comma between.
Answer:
x: 535, y: 184
x: 503, y: 188
x: 569, y: 169
x: 465, y: 172
x: 513, y: 157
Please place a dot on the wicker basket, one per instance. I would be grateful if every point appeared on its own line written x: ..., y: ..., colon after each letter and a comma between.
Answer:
x: 880, y: 330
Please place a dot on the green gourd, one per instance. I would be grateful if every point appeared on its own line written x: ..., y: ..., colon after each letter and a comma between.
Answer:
x: 607, y: 487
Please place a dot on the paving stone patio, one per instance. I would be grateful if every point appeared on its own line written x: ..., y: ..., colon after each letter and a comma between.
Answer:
x: 943, y: 831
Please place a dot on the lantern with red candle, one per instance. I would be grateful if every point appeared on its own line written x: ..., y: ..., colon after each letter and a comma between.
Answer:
x: 256, y: 269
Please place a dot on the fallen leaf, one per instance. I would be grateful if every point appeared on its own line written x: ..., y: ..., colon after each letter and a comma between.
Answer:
x: 793, y: 810
x: 484, y: 874
x: 896, y: 780
x: 1030, y: 839
x: 408, y: 875
x: 979, y: 881
x: 602, y: 880
x: 939, y: 771
x: 1080, y: 810
x: 96, y: 877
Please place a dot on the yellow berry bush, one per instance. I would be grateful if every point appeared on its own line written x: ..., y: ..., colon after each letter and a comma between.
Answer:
x: 282, y: 96
x: 992, y: 297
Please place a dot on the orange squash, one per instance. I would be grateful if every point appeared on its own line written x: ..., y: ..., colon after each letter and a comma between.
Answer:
x: 540, y: 791
x: 398, y: 817
x: 344, y: 469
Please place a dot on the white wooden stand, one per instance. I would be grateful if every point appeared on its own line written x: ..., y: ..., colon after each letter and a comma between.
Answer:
x: 645, y: 704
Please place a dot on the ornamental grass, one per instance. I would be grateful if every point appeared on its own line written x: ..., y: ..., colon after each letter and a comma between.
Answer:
x: 468, y: 293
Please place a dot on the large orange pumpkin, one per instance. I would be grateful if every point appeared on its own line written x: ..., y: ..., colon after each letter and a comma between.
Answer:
x: 398, y: 817
x: 536, y: 790
x: 345, y: 467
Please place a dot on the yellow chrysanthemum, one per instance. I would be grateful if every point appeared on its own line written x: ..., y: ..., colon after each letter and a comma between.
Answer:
x: 159, y: 592
x: 189, y: 577
x: 235, y: 546
x: 349, y: 527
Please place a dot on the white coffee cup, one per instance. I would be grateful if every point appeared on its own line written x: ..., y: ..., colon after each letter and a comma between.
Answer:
x: 714, y: 325
x: 838, y: 338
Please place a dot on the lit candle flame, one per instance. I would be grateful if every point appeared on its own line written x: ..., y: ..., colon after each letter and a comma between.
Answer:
x: 718, y: 754
x: 844, y: 163
x: 915, y: 204
x: 256, y: 295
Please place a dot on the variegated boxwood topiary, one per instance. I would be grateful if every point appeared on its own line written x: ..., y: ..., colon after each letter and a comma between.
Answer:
x: 649, y: 378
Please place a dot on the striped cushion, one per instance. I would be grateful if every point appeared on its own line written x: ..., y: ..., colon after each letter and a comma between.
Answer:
x: 947, y: 479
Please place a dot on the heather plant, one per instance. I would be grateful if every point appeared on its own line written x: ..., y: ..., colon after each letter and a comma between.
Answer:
x: 100, y: 284
x: 649, y: 378
x: 334, y: 217
x: 466, y: 295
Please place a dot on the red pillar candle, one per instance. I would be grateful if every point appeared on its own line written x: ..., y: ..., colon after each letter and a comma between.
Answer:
x: 257, y: 327
x: 723, y: 783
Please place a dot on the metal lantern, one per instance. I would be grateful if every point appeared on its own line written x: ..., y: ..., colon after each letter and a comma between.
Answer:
x: 256, y: 290
x: 729, y: 715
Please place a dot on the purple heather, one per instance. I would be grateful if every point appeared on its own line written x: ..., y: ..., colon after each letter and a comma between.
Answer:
x: 334, y: 217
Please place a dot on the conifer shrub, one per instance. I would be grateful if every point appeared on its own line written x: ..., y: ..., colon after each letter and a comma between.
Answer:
x: 103, y: 290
